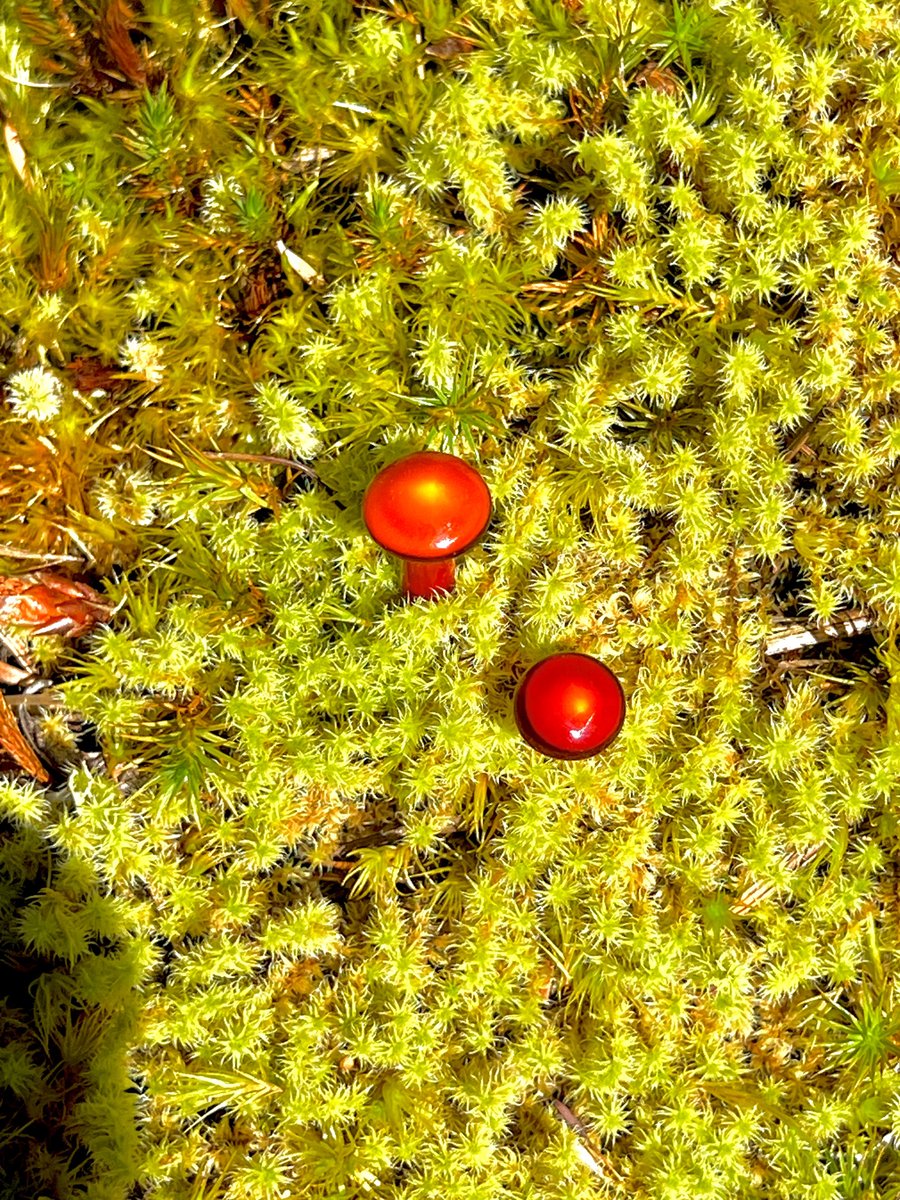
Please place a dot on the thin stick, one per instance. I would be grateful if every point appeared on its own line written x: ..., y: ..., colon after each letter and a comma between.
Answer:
x: 569, y: 1117
x: 851, y: 624
x: 582, y: 1139
x: 275, y: 459
x: 37, y: 700
x: 12, y: 552
x: 30, y: 82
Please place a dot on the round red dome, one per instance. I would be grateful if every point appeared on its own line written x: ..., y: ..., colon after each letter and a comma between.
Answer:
x: 427, y: 506
x: 569, y: 706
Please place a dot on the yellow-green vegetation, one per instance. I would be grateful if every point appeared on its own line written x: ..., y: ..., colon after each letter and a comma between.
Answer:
x: 318, y: 923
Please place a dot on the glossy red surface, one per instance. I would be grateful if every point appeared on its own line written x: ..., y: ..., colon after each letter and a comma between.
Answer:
x: 427, y: 506
x: 569, y: 706
x: 428, y: 580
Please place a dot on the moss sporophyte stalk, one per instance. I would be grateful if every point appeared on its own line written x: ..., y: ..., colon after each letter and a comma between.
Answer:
x: 297, y: 913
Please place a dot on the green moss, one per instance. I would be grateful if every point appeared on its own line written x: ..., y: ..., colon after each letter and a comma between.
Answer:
x: 347, y: 933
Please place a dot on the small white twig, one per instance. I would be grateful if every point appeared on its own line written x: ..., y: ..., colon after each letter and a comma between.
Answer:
x: 50, y: 559
x: 845, y: 625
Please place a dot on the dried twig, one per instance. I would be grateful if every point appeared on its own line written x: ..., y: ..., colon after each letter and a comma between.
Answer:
x: 37, y: 701
x: 795, y: 637
x: 754, y: 893
x: 275, y: 459
x: 47, y: 559
x: 570, y: 1119
x: 588, y: 1155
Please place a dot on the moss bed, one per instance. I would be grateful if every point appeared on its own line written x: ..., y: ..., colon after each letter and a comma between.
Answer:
x: 297, y: 913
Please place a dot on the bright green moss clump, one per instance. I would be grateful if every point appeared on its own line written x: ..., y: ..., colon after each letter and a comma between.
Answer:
x: 349, y: 937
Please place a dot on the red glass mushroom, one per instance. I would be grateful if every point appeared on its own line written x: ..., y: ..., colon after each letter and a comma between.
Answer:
x: 427, y: 508
x: 569, y: 706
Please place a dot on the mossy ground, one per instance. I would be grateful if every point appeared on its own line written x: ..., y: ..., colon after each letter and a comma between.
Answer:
x: 317, y: 923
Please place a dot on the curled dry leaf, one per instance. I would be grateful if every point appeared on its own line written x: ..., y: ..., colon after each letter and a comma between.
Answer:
x: 449, y: 47
x: 13, y: 675
x: 658, y: 79
x: 42, y: 603
x: 13, y: 742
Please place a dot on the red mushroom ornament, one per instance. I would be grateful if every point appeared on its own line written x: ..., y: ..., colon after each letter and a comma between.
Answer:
x: 569, y: 706
x: 427, y: 508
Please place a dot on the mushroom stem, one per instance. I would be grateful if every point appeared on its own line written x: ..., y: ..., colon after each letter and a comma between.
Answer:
x: 428, y: 580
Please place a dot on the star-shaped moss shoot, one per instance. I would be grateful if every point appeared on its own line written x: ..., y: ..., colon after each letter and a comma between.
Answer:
x: 569, y: 706
x: 427, y: 508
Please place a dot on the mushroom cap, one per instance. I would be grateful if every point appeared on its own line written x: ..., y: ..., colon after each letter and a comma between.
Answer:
x: 569, y: 706
x: 427, y: 506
